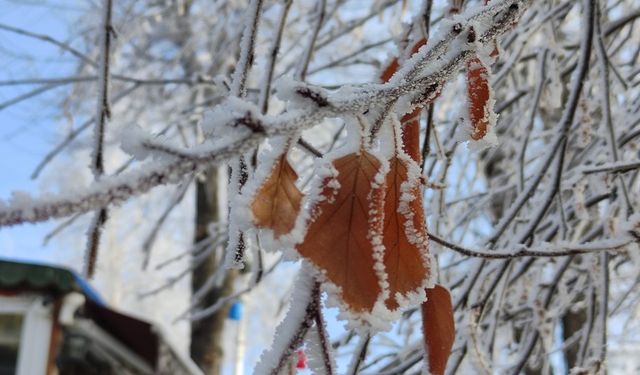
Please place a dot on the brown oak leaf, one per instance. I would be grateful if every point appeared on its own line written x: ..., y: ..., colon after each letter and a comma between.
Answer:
x: 277, y: 202
x: 438, y: 328
x: 404, y: 236
x: 345, y: 223
x: 479, y: 95
x: 405, y: 252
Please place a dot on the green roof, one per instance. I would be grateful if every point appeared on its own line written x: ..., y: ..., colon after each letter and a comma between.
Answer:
x: 18, y: 275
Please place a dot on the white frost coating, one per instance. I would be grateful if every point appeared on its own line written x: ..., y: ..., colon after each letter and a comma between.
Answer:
x: 427, y: 62
x: 132, y: 138
x: 285, y: 88
x: 415, y: 236
x: 238, y: 243
x: 221, y: 125
x: 288, y: 90
x: 233, y: 259
x: 290, y: 325
x: 380, y: 317
x: 489, y: 140
x: 632, y: 224
x: 435, y: 48
x: 376, y: 228
x: 481, y: 22
x: 233, y: 243
x: 324, y: 175
x: 386, y: 141
x: 111, y: 190
x: 246, y: 47
x: 364, y: 323
x: 481, y: 196
x: 218, y: 122
x: 353, y: 140
x: 437, y: 54
x: 314, y: 351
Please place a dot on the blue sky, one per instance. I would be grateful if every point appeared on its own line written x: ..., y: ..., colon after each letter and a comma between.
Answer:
x: 28, y: 129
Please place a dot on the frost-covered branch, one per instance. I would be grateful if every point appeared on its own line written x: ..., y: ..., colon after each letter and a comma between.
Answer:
x: 110, y: 191
x: 303, y: 308
x: 551, y: 250
x: 247, y: 46
x: 359, y: 98
x: 102, y: 115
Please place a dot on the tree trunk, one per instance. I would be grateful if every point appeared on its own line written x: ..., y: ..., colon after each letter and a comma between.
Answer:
x: 206, y: 334
x: 206, y: 347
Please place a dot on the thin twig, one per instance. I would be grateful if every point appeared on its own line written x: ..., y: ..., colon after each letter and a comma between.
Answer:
x: 103, y: 114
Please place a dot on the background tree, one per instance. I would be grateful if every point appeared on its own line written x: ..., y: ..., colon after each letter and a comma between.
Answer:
x: 535, y: 236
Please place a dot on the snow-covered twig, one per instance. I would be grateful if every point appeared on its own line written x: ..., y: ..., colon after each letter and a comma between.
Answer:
x: 265, y: 87
x: 303, y: 308
x: 318, y: 345
x: 616, y: 167
x: 301, y: 71
x: 247, y: 48
x: 359, y: 354
x: 549, y: 251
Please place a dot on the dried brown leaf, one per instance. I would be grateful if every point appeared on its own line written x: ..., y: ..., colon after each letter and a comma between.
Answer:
x: 405, y: 235
x: 339, y: 237
x: 479, y: 95
x: 277, y: 202
x: 438, y: 328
